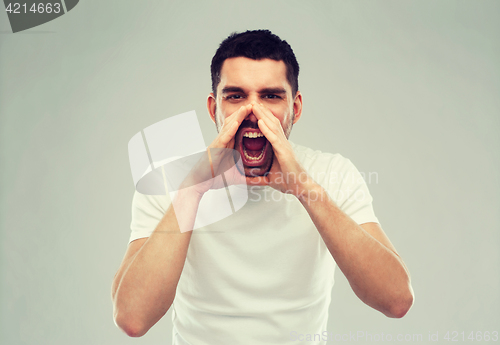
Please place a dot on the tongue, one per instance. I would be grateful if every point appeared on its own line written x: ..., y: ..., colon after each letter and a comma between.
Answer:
x: 254, y: 144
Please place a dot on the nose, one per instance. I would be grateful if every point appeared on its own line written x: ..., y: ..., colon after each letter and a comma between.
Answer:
x: 251, y: 117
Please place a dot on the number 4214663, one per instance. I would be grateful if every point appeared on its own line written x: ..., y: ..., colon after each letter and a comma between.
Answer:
x: 35, y: 8
x: 472, y: 336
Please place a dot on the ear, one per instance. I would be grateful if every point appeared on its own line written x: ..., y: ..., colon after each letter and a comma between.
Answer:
x: 211, y: 102
x: 297, y: 106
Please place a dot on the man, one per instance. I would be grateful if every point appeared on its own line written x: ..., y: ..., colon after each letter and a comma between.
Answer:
x: 269, y: 272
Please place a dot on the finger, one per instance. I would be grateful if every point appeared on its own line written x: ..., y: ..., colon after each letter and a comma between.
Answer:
x: 230, y: 127
x: 268, y: 133
x: 269, y: 125
x: 262, y: 112
x: 280, y: 144
x: 239, y: 115
x: 276, y: 138
x: 226, y: 134
x: 232, y: 123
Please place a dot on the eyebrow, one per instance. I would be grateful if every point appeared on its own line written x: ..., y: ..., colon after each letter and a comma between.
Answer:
x: 278, y: 90
x: 229, y: 89
x: 273, y: 90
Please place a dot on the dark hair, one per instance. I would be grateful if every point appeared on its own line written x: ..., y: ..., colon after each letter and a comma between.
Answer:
x: 256, y: 45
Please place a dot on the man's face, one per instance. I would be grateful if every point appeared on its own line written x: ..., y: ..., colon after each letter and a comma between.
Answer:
x: 263, y: 81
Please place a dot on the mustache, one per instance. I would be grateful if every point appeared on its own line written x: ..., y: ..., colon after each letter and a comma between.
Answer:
x: 248, y: 124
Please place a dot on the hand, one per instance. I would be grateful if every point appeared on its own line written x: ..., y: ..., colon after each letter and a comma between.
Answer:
x: 286, y: 174
x: 219, y: 159
x: 225, y: 138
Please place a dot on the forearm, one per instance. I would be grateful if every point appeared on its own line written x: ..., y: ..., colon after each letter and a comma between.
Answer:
x: 376, y: 273
x: 146, y: 288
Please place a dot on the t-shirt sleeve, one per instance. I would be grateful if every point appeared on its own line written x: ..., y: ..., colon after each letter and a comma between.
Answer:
x: 351, y: 194
x: 147, y: 211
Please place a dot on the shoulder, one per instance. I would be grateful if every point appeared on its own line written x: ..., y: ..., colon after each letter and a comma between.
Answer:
x: 331, y: 170
x: 144, y: 203
x: 318, y: 160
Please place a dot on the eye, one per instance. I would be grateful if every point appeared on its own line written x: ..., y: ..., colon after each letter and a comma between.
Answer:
x: 235, y: 97
x: 271, y: 96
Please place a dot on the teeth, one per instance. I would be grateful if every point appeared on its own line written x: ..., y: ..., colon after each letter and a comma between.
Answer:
x: 253, y: 135
x: 250, y: 158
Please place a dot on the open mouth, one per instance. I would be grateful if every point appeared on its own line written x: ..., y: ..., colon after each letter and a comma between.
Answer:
x: 255, y: 151
x: 253, y: 147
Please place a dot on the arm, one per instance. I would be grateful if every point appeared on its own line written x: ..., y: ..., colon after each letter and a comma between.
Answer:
x: 363, y: 253
x: 144, y: 286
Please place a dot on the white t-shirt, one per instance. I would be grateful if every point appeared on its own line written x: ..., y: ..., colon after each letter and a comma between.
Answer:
x: 263, y: 274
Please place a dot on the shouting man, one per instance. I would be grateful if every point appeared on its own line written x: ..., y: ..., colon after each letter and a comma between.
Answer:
x: 268, y: 274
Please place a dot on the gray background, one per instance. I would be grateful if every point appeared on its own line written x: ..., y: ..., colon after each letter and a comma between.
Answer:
x: 406, y: 89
